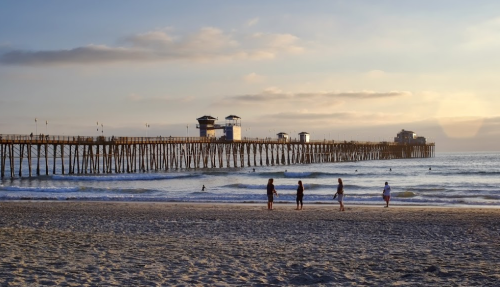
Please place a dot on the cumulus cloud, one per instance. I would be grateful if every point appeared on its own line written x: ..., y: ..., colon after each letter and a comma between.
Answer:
x: 208, y: 43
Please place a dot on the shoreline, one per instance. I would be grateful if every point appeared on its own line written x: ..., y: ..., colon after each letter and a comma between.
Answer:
x: 263, y: 203
x: 206, y: 244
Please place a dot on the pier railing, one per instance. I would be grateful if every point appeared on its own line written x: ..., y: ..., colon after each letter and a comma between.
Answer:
x: 60, y: 139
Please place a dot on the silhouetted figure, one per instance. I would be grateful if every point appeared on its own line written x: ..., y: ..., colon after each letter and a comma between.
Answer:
x: 270, y: 194
x: 203, y: 188
x: 300, y: 195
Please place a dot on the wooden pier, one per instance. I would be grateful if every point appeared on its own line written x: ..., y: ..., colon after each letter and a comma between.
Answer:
x: 105, y: 155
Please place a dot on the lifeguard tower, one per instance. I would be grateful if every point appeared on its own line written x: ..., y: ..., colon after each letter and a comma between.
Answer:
x: 232, y: 129
x: 207, y: 126
x: 304, y: 137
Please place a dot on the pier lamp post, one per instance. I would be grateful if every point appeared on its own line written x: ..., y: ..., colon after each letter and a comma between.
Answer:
x: 102, y: 129
x: 147, y: 129
x: 36, y: 126
x: 187, y: 130
x: 46, y: 123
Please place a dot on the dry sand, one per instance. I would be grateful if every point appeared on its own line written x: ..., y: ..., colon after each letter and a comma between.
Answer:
x: 160, y: 244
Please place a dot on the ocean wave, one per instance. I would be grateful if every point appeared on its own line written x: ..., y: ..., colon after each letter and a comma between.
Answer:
x: 404, y: 194
x: 307, y: 186
x: 74, y: 189
x: 491, y: 197
x: 44, y: 189
x: 426, y: 189
x: 471, y: 173
x: 123, y: 177
x: 303, y: 174
x: 200, y: 193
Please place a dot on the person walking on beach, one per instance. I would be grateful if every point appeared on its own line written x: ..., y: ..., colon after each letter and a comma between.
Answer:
x: 270, y: 193
x: 300, y: 195
x: 387, y: 194
x: 340, y: 194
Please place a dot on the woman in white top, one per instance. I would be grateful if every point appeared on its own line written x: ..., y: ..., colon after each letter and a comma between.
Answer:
x: 387, y: 194
x: 340, y: 194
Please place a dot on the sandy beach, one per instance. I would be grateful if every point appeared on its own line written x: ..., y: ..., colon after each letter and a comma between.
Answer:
x: 168, y: 244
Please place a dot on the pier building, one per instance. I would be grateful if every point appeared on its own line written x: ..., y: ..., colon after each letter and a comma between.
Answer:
x: 283, y: 136
x: 232, y: 128
x: 304, y: 137
x: 207, y: 126
x: 409, y: 137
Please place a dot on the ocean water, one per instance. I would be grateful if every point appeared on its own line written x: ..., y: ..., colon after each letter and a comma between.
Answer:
x: 448, y: 179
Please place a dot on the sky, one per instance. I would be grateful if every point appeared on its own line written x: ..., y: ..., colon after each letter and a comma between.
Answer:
x: 339, y: 70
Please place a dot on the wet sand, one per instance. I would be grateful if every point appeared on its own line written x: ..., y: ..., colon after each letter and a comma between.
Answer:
x: 168, y: 244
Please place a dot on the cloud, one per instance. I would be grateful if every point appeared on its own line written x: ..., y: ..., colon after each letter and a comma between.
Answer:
x: 158, y: 100
x: 90, y: 54
x: 252, y: 22
x: 253, y: 78
x: 350, y: 118
x: 160, y: 46
x: 307, y: 116
x: 273, y: 94
x: 276, y: 42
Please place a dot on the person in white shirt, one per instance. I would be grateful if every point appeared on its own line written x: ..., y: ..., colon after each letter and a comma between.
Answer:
x: 387, y: 194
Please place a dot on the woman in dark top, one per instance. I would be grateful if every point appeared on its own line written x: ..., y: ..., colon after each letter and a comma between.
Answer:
x: 270, y: 193
x: 300, y: 195
x: 340, y: 194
